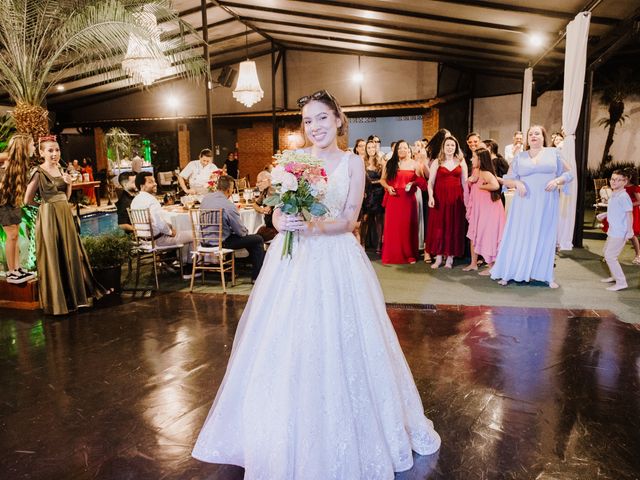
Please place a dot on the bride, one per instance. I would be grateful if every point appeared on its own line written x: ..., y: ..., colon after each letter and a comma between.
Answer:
x: 317, y: 387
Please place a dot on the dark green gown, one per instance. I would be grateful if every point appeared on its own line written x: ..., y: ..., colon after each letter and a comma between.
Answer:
x: 65, y: 278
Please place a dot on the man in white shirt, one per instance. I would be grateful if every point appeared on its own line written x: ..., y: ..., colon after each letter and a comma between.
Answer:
x: 510, y: 151
x: 197, y: 173
x: 164, y: 232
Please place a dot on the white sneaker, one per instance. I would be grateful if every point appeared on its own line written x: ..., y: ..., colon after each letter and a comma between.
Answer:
x: 617, y: 286
x: 187, y: 276
x: 16, y: 278
x: 29, y: 274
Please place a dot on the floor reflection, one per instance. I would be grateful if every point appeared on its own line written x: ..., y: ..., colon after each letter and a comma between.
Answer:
x: 122, y: 392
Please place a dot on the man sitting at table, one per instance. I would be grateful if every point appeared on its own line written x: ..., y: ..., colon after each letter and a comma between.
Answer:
x: 127, y: 181
x: 234, y: 234
x: 197, y: 173
x: 164, y: 232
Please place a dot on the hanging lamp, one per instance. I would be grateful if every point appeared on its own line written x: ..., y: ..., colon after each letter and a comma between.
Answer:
x: 138, y: 62
x: 248, y: 90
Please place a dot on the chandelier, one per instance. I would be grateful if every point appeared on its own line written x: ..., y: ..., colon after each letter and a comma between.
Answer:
x: 248, y: 90
x: 139, y: 63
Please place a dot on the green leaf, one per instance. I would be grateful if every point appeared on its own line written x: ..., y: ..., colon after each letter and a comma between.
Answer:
x: 272, y: 200
x: 289, y: 208
x: 318, y: 209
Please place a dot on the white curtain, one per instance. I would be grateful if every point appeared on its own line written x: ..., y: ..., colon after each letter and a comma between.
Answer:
x: 575, y: 61
x: 526, y: 101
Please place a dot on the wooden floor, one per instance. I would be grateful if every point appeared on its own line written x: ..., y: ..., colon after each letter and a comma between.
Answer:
x: 120, y: 392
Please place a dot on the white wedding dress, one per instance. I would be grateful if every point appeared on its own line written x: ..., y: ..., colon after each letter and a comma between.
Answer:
x: 317, y: 387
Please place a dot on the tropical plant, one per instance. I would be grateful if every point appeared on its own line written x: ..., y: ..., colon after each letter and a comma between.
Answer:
x: 43, y: 42
x: 617, y: 86
x: 7, y: 129
x: 118, y: 143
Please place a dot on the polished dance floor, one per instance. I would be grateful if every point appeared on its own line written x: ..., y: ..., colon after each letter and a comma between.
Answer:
x: 120, y: 393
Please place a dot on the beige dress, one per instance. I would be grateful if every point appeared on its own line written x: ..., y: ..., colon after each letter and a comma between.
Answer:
x: 65, y: 278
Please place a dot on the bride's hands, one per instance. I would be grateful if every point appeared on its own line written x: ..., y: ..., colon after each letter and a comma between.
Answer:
x: 294, y: 223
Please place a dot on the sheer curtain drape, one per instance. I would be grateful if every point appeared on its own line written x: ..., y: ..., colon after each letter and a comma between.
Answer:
x: 525, y: 119
x: 574, y: 71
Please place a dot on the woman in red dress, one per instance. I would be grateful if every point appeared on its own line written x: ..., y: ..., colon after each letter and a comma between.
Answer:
x: 400, y: 177
x: 88, y: 191
x: 447, y: 228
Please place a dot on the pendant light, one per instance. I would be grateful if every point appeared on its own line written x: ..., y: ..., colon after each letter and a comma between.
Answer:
x: 248, y: 90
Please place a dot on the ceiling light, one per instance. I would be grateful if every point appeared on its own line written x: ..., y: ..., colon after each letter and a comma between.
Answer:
x: 60, y: 88
x: 172, y: 101
x: 248, y: 90
x: 536, y: 40
x: 357, y: 77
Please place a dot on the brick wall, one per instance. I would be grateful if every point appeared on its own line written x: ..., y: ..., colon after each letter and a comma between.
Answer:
x: 184, y: 145
x: 430, y: 122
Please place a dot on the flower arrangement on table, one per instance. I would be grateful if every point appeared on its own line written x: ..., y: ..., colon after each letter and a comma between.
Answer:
x: 212, y: 184
x: 300, y: 183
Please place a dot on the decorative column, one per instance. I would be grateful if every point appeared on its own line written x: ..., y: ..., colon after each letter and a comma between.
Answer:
x: 184, y: 147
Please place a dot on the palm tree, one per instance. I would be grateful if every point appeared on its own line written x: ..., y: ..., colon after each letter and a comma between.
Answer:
x: 42, y: 42
x: 617, y: 87
x: 118, y: 142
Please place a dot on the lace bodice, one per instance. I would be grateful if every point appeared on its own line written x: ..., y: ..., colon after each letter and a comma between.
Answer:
x: 338, y: 188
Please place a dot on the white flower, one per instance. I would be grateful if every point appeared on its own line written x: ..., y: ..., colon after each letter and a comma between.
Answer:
x: 318, y: 189
x: 277, y: 174
x: 289, y: 183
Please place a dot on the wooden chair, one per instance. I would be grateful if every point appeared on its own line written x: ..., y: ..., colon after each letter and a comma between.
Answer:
x: 207, y: 241
x: 600, y: 203
x: 145, y: 244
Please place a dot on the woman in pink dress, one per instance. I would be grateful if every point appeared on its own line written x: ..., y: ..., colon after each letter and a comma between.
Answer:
x: 485, y: 212
x: 446, y: 228
x: 400, y: 176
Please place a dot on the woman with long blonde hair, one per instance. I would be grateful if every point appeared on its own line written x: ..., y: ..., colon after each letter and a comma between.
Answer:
x: 13, y: 185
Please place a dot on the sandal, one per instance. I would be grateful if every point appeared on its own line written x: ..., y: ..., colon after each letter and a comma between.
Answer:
x: 636, y: 261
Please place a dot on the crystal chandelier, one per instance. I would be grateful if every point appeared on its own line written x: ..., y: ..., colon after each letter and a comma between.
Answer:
x: 139, y: 63
x: 248, y: 90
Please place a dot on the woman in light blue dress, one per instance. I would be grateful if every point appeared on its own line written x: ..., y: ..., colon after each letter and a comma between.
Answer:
x: 527, y: 249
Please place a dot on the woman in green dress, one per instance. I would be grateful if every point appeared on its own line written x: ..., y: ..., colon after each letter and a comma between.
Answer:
x: 66, y: 281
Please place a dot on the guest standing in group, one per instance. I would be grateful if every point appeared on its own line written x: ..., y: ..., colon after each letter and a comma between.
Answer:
x: 485, y: 211
x: 65, y: 278
x: 13, y: 185
x: 633, y: 190
x: 620, y: 218
x: 447, y: 226
x: 432, y: 151
x: 373, y: 210
x: 360, y: 147
x: 527, y: 250
x: 400, y: 176
x: 473, y: 142
x: 514, y: 148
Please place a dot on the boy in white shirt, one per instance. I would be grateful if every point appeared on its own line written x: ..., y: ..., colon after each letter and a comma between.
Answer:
x: 619, y: 216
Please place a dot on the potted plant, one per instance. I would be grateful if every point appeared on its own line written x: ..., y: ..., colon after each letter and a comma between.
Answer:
x: 107, y: 252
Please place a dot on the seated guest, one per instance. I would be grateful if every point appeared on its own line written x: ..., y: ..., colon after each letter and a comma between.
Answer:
x: 263, y: 182
x: 127, y: 181
x: 197, y: 173
x: 234, y: 234
x: 165, y: 232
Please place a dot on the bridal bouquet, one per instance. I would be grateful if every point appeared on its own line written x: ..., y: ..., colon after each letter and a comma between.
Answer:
x: 300, y: 183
